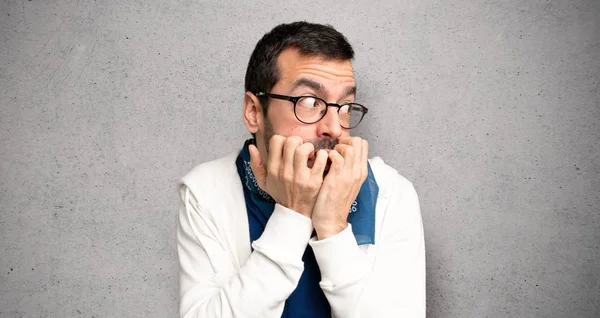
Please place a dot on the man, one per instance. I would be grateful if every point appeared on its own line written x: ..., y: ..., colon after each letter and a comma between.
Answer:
x: 299, y: 223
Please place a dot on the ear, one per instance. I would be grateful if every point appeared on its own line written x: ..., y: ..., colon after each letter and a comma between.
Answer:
x: 253, y: 113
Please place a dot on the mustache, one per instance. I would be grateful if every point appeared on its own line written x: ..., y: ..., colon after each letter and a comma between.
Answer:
x: 324, y: 144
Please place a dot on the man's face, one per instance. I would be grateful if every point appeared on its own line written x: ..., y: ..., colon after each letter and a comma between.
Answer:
x: 331, y: 80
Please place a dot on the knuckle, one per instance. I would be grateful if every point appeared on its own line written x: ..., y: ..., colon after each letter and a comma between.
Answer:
x: 291, y: 142
x: 317, y: 181
x: 309, y: 146
x: 300, y: 150
x: 297, y: 153
x: 295, y: 139
x: 273, y: 171
x: 287, y: 177
x: 277, y: 139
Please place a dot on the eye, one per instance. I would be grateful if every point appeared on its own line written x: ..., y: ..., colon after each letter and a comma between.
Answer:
x: 308, y: 102
x: 354, y: 108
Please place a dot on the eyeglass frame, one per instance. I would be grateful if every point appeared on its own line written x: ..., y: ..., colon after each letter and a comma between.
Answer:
x: 295, y: 99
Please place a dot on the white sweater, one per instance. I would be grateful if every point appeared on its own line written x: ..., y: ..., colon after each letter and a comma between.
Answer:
x: 220, y: 277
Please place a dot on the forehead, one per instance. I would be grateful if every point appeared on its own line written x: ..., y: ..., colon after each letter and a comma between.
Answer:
x: 332, y: 74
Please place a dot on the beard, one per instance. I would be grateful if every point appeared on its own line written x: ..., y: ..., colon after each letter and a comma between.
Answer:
x: 326, y: 144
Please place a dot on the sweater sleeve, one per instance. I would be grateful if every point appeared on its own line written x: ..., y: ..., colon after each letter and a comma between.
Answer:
x: 210, y: 283
x: 394, y: 285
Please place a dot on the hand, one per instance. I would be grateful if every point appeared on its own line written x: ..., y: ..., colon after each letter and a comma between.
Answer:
x: 287, y: 177
x: 340, y: 187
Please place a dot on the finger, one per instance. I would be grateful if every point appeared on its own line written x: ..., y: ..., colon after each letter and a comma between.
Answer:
x: 337, y: 162
x: 341, y: 148
x: 320, y: 164
x: 357, y: 143
x: 257, y: 166
x: 289, y: 149
x: 348, y: 152
x: 345, y: 140
x: 349, y: 157
x: 275, y: 152
x: 365, y: 158
x: 302, y: 153
x: 365, y: 151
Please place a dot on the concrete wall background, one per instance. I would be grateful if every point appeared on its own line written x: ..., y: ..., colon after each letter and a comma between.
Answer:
x: 491, y: 108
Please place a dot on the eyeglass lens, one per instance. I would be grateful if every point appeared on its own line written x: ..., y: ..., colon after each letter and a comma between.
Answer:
x: 311, y: 110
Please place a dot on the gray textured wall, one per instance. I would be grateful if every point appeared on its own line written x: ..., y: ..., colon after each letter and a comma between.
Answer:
x: 491, y: 108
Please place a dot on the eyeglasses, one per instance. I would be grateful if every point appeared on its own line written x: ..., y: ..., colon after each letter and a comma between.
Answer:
x: 311, y: 109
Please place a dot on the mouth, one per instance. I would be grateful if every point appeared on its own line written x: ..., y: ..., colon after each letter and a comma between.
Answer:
x: 328, y: 146
x: 311, y: 162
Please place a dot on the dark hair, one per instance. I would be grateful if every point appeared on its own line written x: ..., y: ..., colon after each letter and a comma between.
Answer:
x: 310, y: 39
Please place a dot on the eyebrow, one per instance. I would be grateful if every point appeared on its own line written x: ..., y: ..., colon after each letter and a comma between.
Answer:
x: 318, y: 87
x: 351, y: 91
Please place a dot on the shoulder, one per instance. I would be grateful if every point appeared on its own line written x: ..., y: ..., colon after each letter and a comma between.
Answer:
x: 211, y: 176
x: 390, y: 181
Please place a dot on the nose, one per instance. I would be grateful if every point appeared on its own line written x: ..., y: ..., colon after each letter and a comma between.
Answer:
x: 329, y: 126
